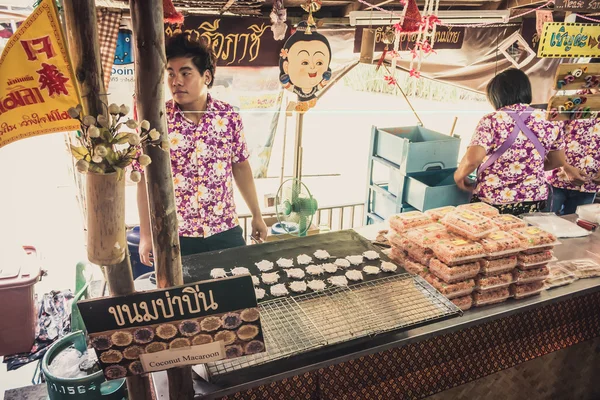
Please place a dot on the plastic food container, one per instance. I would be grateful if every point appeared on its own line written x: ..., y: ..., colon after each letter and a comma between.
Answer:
x: 508, y: 222
x: 484, y: 283
x: 19, y: 273
x: 501, y: 244
x: 480, y: 208
x: 533, y: 237
x: 438, y: 213
x: 415, y: 267
x: 404, y: 221
x: 453, y: 274
x: 451, y: 290
x: 530, y: 275
x: 457, y: 251
x: 464, y: 303
x: 396, y: 240
x: 420, y: 254
x: 529, y: 261
x: 498, y: 266
x: 583, y: 268
x: 526, y: 290
x: 490, y: 297
x: 589, y: 212
x: 469, y: 224
x: 426, y: 235
x: 559, y: 276
x: 539, y: 249
x: 398, y: 256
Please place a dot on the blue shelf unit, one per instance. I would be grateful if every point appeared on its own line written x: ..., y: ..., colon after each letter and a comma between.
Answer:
x: 419, y: 165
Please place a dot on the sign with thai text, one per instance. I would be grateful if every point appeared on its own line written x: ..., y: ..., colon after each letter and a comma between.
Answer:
x: 445, y: 38
x: 237, y: 42
x: 161, y: 329
x: 569, y: 40
x: 37, y: 85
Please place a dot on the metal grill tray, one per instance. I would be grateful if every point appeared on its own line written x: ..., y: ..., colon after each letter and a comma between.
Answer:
x: 339, y: 245
x: 296, y: 325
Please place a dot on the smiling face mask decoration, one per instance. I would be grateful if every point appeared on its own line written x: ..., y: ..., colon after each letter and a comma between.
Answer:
x: 304, y: 65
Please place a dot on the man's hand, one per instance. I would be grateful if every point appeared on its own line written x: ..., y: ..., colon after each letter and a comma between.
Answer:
x: 145, y: 251
x: 465, y: 184
x: 259, y: 229
x: 596, y: 178
x: 575, y: 175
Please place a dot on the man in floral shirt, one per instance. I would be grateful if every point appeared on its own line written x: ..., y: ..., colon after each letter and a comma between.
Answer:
x: 208, y: 152
x: 581, y: 140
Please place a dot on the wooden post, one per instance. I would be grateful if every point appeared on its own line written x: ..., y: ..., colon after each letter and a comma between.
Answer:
x: 150, y: 64
x: 82, y: 34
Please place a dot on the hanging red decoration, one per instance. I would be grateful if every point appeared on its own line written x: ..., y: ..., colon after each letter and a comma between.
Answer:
x: 415, y: 74
x: 171, y: 15
x: 412, y: 18
x: 390, y: 80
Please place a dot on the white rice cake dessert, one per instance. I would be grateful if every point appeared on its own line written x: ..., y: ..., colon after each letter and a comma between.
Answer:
x: 260, y: 293
x: 371, y: 270
x: 304, y: 259
x: 264, y: 265
x: 298, y: 286
x: 314, y: 270
x: 354, y: 275
x: 371, y: 255
x: 269, y: 278
x: 217, y: 273
x: 279, y: 290
x: 238, y: 271
x: 342, y: 263
x: 387, y: 266
x: 295, y: 273
x: 322, y: 255
x: 285, y: 263
x: 316, y: 285
x: 330, y: 268
x: 355, y: 260
x: 338, y: 281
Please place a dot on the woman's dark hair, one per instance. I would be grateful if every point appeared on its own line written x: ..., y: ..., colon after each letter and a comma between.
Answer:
x: 509, y: 87
x: 299, y: 36
x: 202, y: 56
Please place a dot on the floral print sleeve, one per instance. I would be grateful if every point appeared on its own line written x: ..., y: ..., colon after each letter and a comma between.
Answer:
x: 240, y: 147
x: 483, y: 135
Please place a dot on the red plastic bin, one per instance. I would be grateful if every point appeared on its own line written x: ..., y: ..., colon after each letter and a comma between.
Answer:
x: 19, y: 272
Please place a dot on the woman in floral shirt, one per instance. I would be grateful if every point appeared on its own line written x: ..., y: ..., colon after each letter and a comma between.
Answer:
x: 581, y: 140
x: 511, y: 149
x: 208, y: 153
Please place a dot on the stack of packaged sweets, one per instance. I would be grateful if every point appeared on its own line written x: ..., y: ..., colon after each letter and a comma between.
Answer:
x: 414, y: 259
x: 532, y: 262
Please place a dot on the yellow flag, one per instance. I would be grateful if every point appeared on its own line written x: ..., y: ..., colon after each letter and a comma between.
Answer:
x: 37, y: 85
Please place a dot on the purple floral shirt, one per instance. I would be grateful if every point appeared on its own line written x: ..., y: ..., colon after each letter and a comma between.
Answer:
x: 202, y: 157
x: 581, y: 140
x: 518, y: 175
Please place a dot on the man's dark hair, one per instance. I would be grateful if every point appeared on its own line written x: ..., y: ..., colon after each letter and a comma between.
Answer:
x: 509, y: 87
x: 202, y: 56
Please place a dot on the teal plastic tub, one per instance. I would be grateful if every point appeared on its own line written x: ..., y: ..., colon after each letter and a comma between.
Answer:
x: 433, y: 189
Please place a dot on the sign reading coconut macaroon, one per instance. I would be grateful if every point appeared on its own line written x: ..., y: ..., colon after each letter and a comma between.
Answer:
x: 185, y: 325
x: 304, y: 65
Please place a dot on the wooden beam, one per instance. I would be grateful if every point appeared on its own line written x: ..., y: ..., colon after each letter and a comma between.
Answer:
x: 227, y: 6
x: 523, y: 3
x: 354, y: 6
x: 82, y: 34
x: 150, y: 65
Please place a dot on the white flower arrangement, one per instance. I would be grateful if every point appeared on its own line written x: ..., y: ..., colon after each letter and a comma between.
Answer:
x: 105, y: 148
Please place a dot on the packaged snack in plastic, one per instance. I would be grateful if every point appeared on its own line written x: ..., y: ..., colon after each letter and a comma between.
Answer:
x: 451, y: 290
x: 469, y: 224
x: 526, y: 290
x: 420, y: 254
x: 501, y: 243
x: 529, y: 261
x: 480, y: 208
x: 426, y: 235
x: 530, y: 275
x: 490, y: 297
x: 559, y: 276
x: 404, y: 221
x: 397, y: 255
x: 464, y: 303
x: 508, y: 222
x: 483, y: 283
x: 415, y: 267
x: 498, y: 266
x: 535, y: 250
x: 533, y: 237
x: 438, y: 213
x: 582, y: 268
x: 397, y: 240
x: 453, y: 274
x: 457, y: 251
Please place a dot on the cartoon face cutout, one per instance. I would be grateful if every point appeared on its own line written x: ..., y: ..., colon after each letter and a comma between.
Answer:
x: 307, y: 63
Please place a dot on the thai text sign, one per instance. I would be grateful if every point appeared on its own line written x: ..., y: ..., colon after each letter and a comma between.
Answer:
x: 161, y: 329
x: 569, y: 40
x: 445, y: 38
x: 236, y: 41
x: 37, y: 86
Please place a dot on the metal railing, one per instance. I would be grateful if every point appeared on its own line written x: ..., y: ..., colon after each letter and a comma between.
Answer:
x: 334, y: 218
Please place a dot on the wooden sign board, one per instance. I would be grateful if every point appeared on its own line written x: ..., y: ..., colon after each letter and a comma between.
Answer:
x: 577, y: 5
x: 577, y: 76
x: 569, y: 40
x: 185, y: 325
x: 566, y: 108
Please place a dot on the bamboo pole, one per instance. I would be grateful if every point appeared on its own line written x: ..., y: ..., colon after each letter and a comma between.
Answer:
x: 150, y: 64
x: 82, y: 34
